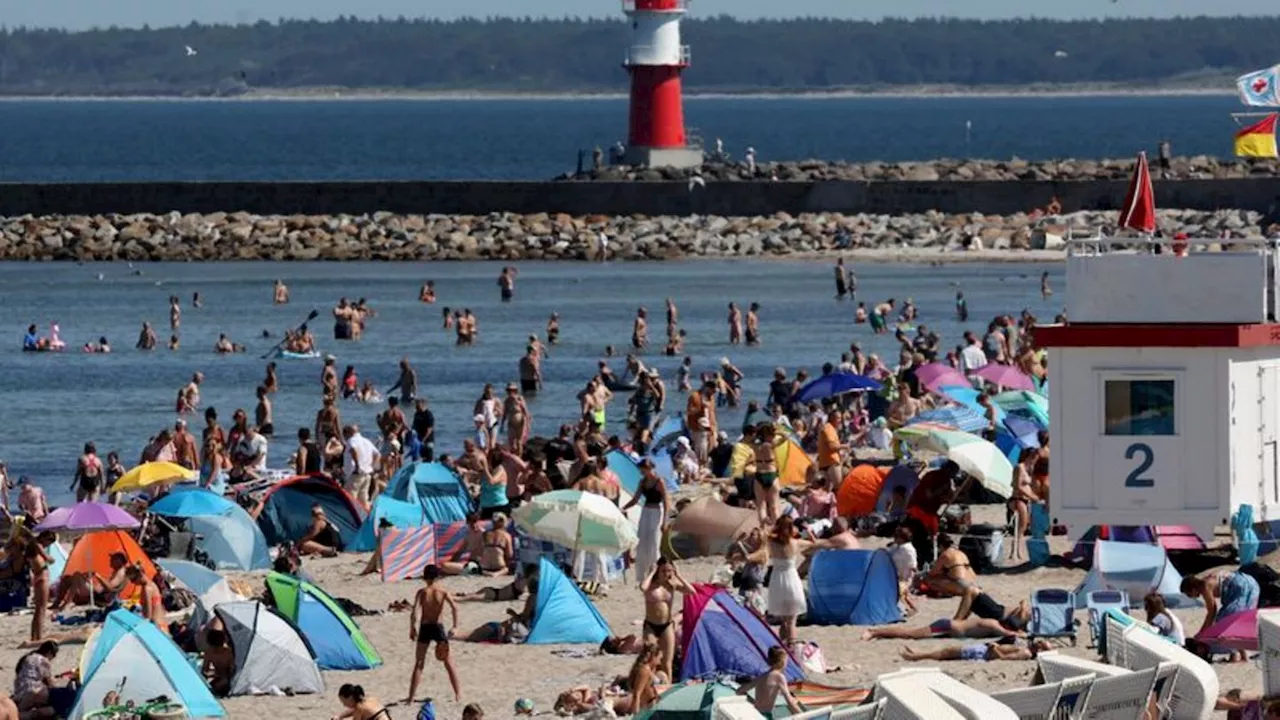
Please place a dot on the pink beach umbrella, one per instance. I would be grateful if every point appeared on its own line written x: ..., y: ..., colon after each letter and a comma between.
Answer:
x: 1006, y: 376
x: 88, y: 516
x: 1238, y: 631
x: 935, y: 375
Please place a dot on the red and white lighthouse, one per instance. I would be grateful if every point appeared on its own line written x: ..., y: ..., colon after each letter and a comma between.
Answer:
x: 656, y: 135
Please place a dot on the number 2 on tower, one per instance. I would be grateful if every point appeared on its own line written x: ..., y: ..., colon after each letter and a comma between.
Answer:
x: 1135, y: 479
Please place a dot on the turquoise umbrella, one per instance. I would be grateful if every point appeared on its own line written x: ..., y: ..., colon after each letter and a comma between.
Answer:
x: 689, y: 701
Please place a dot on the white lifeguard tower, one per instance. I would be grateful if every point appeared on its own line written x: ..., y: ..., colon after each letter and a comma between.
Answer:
x: 1165, y: 385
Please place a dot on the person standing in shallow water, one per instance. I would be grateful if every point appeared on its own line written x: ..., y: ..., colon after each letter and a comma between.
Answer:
x: 735, y: 325
x: 507, y: 284
x: 842, y: 288
x: 280, y: 294
x: 640, y: 330
x: 753, y: 324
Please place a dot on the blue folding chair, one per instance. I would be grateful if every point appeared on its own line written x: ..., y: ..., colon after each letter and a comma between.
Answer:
x: 1099, y: 602
x: 1053, y: 614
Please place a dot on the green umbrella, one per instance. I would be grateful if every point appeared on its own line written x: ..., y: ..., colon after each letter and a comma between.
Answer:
x: 577, y: 520
x: 1032, y: 404
x: 688, y: 701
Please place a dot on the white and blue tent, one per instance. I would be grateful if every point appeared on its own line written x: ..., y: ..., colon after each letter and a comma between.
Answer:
x: 210, y: 588
x: 437, y: 489
x: 232, y: 540
x: 1136, y: 569
x: 132, y: 656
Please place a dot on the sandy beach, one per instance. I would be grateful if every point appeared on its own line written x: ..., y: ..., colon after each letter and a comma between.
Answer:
x: 494, y: 676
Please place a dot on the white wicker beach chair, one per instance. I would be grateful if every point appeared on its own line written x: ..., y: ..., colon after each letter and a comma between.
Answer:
x: 869, y: 711
x: 1195, y: 687
x: 1056, y: 667
x: 1074, y: 698
x: 963, y: 701
x: 1037, y: 702
x: 907, y: 696
x: 1269, y: 645
x: 1121, y: 697
x: 736, y: 707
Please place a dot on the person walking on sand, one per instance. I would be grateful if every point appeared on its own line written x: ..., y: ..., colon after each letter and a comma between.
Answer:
x: 280, y: 294
x: 735, y: 324
x: 432, y: 600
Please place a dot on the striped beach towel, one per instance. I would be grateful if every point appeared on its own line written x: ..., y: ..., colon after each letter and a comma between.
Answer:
x: 406, y: 551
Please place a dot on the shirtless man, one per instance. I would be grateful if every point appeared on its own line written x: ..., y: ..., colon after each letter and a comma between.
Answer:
x: 224, y: 346
x: 659, y: 598
x: 433, y: 601
x: 673, y: 319
x: 553, y: 329
x: 184, y: 446
x: 328, y: 422
x: 753, y: 324
x: 772, y: 685
x: 218, y: 664
x: 530, y: 371
x: 735, y: 324
x: 640, y: 330
x: 507, y: 284
x: 262, y: 413
x: 344, y: 318
x: 146, y: 338
x: 407, y: 383
x: 281, y: 293
x: 189, y: 398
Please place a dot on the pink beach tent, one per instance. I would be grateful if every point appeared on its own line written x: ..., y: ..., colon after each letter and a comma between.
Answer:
x: 1238, y: 631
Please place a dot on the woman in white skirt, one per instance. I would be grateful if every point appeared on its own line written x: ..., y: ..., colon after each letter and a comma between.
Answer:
x: 653, y: 518
x: 786, y: 599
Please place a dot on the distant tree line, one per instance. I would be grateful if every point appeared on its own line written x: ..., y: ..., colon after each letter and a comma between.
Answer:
x: 585, y: 55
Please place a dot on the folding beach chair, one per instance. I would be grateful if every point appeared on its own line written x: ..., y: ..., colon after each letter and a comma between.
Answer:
x: 1053, y: 614
x: 1099, y: 602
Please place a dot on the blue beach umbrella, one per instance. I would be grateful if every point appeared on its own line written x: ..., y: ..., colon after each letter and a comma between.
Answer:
x: 1024, y: 432
x: 835, y: 384
x: 191, y: 503
x: 957, y: 416
x: 968, y: 397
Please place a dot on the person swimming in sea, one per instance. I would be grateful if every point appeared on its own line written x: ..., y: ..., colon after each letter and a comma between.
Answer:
x: 102, y: 346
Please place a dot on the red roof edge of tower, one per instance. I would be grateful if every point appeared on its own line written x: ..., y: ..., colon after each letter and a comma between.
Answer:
x: 1215, y: 335
x: 659, y: 5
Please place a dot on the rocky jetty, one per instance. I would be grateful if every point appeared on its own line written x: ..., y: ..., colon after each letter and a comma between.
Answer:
x: 1199, y: 167
x: 385, y: 236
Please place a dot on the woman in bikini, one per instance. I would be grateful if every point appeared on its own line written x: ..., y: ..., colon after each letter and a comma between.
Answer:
x: 88, y: 479
x: 513, y: 591
x: 1020, y: 504
x: 498, y: 554
x: 641, y: 682
x: 360, y: 706
x: 953, y: 576
x: 659, y: 597
x: 515, y: 412
x: 38, y: 566
x: 152, y: 600
x: 766, y: 484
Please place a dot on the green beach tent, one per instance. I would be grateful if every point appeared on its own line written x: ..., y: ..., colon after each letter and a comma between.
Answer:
x: 335, y: 637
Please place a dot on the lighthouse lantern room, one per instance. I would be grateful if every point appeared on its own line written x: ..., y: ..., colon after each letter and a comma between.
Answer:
x: 655, y: 60
x: 1164, y: 386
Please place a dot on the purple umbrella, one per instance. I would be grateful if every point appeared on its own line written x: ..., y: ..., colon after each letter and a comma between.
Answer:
x: 88, y: 516
x: 934, y: 375
x: 1006, y: 376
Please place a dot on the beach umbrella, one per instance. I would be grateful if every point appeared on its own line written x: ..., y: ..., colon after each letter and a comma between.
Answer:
x: 88, y: 516
x: 1033, y: 406
x: 1006, y: 376
x: 578, y: 520
x: 1237, y: 631
x: 189, y: 503
x: 1025, y: 433
x: 977, y: 457
x: 690, y: 701
x: 959, y: 417
x: 968, y: 397
x: 935, y: 375
x: 833, y: 384
x: 152, y: 473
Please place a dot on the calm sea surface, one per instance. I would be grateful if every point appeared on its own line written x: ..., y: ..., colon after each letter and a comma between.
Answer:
x: 84, y: 141
x: 51, y: 403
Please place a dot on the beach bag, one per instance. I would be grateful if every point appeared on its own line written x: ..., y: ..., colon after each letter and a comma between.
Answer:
x: 809, y: 655
x: 983, y: 545
x: 427, y: 711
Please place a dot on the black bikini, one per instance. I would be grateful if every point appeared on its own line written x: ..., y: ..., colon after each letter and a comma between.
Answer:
x: 657, y: 628
x: 652, y: 495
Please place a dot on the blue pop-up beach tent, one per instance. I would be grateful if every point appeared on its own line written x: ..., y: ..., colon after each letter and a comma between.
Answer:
x: 1135, y: 568
x: 563, y: 613
x: 723, y: 638
x: 434, y: 487
x: 853, y: 587
x: 132, y: 656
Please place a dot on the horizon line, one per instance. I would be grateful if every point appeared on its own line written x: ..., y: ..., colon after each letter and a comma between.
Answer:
x: 280, y: 21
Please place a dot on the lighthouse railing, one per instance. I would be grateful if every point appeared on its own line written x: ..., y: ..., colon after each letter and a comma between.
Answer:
x: 629, y: 6
x: 646, y: 55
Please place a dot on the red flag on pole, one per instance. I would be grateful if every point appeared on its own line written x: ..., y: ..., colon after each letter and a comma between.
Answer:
x: 1139, y: 209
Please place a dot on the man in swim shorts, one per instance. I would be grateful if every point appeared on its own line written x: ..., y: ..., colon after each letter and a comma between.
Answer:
x: 432, y: 600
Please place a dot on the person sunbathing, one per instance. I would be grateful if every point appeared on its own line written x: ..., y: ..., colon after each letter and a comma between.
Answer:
x: 953, y: 576
x: 506, y: 593
x: 973, y: 627
x: 980, y: 652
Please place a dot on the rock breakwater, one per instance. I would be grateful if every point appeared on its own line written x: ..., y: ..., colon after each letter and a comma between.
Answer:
x: 1199, y: 167
x: 505, y: 236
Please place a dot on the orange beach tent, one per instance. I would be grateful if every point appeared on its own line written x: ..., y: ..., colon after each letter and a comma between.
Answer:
x: 92, y: 554
x: 860, y: 490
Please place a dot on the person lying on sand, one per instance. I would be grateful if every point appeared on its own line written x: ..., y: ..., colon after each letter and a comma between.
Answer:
x: 506, y: 593
x: 981, y: 652
x: 944, y: 627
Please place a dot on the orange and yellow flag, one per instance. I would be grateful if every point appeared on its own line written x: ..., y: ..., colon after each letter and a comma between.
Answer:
x: 1258, y: 140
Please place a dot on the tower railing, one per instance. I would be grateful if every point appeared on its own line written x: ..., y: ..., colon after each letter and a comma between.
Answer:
x: 647, y: 50
x: 676, y: 6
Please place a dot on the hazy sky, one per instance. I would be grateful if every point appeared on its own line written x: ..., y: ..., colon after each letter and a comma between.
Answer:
x: 87, y: 13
